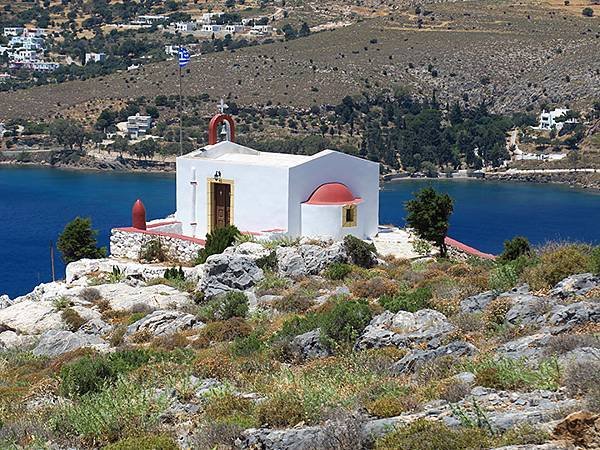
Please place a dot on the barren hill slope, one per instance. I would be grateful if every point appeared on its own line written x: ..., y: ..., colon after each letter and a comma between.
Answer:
x: 517, y: 54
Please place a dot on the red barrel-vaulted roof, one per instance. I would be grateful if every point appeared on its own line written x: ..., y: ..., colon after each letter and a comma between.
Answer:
x: 332, y: 194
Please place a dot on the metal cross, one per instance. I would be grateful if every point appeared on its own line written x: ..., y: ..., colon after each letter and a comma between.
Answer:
x: 222, y: 106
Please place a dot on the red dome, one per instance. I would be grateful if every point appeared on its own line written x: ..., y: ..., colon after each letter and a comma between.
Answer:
x: 332, y: 194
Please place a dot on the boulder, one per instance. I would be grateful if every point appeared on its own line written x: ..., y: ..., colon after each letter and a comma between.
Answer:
x: 10, y: 339
x: 309, y: 346
x: 56, y: 342
x: 575, y: 285
x: 123, y: 297
x: 164, y: 323
x: 96, y: 326
x: 416, y: 358
x: 253, y: 250
x: 529, y: 348
x: 4, y: 301
x: 308, y: 259
x: 31, y: 317
x: 582, y: 428
x: 580, y: 355
x: 227, y: 272
x: 405, y: 329
x: 477, y: 303
x: 528, y: 309
x: 565, y: 317
x: 45, y: 292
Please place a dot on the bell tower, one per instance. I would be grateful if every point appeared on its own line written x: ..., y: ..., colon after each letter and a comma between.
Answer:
x: 228, y: 128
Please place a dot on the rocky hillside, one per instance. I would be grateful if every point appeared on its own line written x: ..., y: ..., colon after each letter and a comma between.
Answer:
x: 520, y: 54
x: 305, y: 346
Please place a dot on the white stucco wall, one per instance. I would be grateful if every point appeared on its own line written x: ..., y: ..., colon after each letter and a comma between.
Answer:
x: 325, y: 222
x: 361, y: 177
x: 259, y: 195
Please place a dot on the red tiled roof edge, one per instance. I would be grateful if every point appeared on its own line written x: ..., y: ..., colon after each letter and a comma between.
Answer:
x: 466, y: 249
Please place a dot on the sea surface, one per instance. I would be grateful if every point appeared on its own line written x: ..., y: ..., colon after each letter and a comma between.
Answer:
x: 36, y: 203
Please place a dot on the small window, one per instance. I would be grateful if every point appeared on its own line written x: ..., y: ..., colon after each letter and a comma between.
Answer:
x: 349, y: 216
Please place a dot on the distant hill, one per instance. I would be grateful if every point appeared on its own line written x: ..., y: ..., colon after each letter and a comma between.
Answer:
x: 520, y: 56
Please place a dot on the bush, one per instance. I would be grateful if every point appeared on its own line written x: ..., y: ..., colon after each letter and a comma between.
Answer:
x: 359, y: 252
x: 149, y: 442
x: 503, y: 278
x: 595, y: 261
x: 281, y: 409
x: 91, y: 374
x: 510, y: 374
x: 411, y: 301
x: 72, y: 319
x: 346, y: 320
x: 300, y: 300
x: 338, y: 271
x: 514, y: 248
x: 174, y: 274
x: 424, y: 434
x: 268, y: 262
x: 248, y: 345
x: 375, y: 287
x: 224, y: 331
x: 78, y: 241
x: 588, y: 12
x: 91, y: 295
x: 152, y: 251
x: 225, y: 306
x: 582, y: 378
x: 495, y: 311
x: 217, y: 241
x: 556, y: 264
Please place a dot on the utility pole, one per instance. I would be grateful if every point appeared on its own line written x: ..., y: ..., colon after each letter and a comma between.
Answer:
x: 180, y: 116
x: 52, y: 261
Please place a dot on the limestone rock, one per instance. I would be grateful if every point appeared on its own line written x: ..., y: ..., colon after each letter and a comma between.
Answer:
x: 164, y: 323
x: 290, y: 262
x: 4, y: 301
x: 96, y: 326
x: 56, y: 342
x: 566, y: 317
x: 225, y: 272
x: 309, y: 346
x: 252, y: 249
x: 529, y: 348
x: 123, y: 297
x: 477, y: 302
x: 31, y: 317
x: 416, y: 358
x: 581, y: 427
x: 405, y: 329
x: 580, y: 355
x: 10, y: 339
x: 575, y: 285
x: 528, y: 310
x: 308, y: 259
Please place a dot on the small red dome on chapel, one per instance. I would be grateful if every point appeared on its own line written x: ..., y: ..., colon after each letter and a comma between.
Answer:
x: 332, y: 194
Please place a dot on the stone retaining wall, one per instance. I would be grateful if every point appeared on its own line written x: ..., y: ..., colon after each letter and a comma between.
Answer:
x: 129, y: 242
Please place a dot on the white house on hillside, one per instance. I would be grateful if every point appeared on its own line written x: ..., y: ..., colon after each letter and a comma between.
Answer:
x: 326, y: 195
x: 548, y: 119
x: 138, y: 125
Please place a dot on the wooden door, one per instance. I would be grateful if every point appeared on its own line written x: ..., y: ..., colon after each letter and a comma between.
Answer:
x: 221, y: 205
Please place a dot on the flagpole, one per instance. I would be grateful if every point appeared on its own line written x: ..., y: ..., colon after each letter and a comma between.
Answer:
x: 180, y: 115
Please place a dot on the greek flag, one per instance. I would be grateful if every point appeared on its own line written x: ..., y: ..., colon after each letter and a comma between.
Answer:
x: 184, y: 57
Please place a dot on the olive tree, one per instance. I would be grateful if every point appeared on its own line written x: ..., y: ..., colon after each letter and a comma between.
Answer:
x: 78, y: 241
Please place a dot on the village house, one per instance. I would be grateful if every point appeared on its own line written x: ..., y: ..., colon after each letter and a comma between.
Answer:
x: 212, y: 28
x: 95, y: 57
x: 138, y: 125
x: 548, y: 119
x: 185, y: 27
x: 234, y: 28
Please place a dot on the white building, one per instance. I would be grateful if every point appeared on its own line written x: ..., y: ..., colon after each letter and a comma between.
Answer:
x: 185, y: 27
x: 208, y: 17
x: 548, y: 119
x: 212, y: 28
x: 95, y: 57
x: 234, y: 28
x: 138, y: 125
x: 171, y: 50
x: 327, y: 195
x: 262, y: 29
x: 13, y: 31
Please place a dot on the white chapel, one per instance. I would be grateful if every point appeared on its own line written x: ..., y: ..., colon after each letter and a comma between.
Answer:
x: 327, y: 195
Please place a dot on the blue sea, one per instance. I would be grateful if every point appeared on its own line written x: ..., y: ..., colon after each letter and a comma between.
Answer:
x: 36, y: 203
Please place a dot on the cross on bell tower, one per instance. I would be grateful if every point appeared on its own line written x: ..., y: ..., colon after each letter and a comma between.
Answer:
x: 222, y: 106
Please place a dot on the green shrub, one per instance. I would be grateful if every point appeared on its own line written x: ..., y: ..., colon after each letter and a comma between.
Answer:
x: 174, y: 274
x: 514, y: 248
x: 93, y: 373
x: 595, y: 261
x: 346, y: 320
x: 247, y: 345
x: 225, y: 306
x: 338, y: 271
x: 152, y: 251
x: 281, y: 409
x: 587, y: 12
x: 217, y: 241
x: 556, y: 264
x: 411, y: 301
x: 424, y: 434
x: 268, y: 262
x: 78, y: 241
x: 510, y: 374
x: 72, y: 319
x: 503, y: 278
x: 359, y: 252
x: 121, y: 410
x: 148, y: 442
